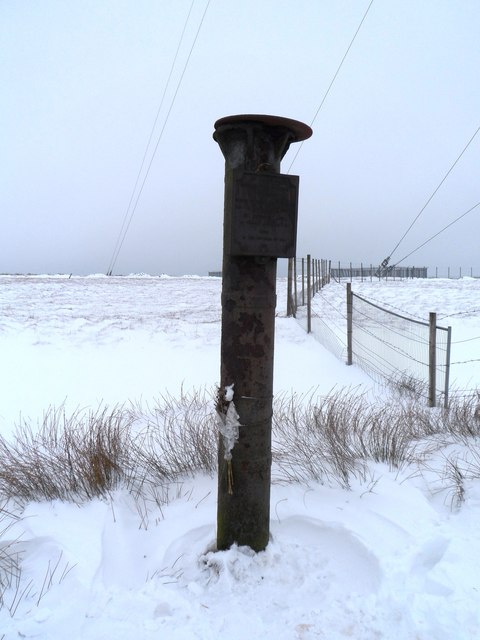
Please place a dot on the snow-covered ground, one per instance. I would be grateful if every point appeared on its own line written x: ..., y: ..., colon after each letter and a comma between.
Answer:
x: 394, y: 557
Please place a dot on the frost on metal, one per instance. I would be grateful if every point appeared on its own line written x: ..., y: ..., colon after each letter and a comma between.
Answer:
x: 228, y: 423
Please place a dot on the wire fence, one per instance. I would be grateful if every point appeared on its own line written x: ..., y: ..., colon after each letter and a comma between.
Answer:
x: 453, y: 273
x: 409, y: 353
x: 307, y: 276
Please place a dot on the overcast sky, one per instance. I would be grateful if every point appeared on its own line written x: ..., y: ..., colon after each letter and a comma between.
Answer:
x: 82, y: 81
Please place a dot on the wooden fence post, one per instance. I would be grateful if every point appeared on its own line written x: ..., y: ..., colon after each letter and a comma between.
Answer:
x: 289, y: 289
x: 432, y: 359
x: 349, y: 323
x: 447, y: 366
x: 309, y: 296
x: 295, y: 292
x: 303, y: 282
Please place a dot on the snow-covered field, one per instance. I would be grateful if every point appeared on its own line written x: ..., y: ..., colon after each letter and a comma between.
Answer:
x: 394, y: 557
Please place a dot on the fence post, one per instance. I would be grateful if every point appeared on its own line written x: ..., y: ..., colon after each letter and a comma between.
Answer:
x: 303, y: 282
x: 349, y: 323
x: 295, y: 292
x: 309, y: 296
x: 447, y: 366
x: 432, y: 360
x: 289, y: 289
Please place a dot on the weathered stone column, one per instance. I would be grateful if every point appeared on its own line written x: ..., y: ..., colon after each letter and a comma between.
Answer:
x: 259, y: 227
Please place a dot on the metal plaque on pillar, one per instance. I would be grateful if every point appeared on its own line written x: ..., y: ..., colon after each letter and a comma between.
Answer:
x: 264, y: 212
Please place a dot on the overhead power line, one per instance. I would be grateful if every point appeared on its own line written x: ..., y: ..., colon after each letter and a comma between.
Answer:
x: 387, y: 259
x: 167, y: 84
x: 127, y: 226
x: 439, y: 232
x: 299, y: 147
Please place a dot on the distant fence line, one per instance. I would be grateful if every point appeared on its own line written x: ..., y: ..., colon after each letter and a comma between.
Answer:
x: 339, y: 271
x: 409, y: 353
x: 306, y: 276
x: 350, y: 271
x: 454, y: 273
x: 370, y: 272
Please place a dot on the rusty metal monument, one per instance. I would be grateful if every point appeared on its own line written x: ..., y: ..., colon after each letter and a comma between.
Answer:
x: 260, y: 225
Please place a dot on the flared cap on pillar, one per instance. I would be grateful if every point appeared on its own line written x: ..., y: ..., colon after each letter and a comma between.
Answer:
x: 300, y: 130
x: 253, y: 141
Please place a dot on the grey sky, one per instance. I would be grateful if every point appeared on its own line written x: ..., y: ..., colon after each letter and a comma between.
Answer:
x: 81, y: 83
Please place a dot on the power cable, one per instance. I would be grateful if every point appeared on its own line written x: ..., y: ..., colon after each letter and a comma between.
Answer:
x: 332, y: 81
x: 386, y: 261
x: 167, y: 84
x: 466, y: 340
x: 161, y: 133
x: 439, y: 232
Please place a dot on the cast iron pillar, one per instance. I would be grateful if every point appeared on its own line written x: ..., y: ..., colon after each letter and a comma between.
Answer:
x: 259, y: 227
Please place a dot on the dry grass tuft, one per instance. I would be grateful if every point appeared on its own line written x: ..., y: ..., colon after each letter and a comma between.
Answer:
x: 328, y: 439
x: 332, y: 439
x: 149, y: 452
x: 66, y: 457
x: 91, y: 453
x: 174, y: 439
